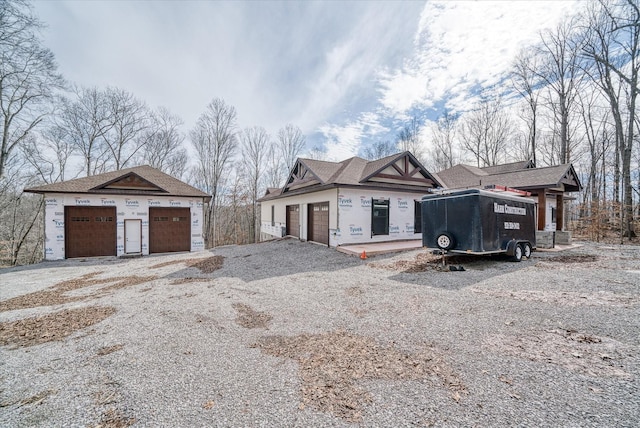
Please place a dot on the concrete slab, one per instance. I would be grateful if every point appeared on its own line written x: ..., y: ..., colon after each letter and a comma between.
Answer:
x: 558, y: 248
x: 380, y: 247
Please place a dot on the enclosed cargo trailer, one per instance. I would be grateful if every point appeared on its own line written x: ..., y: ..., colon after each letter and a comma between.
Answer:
x: 479, y: 222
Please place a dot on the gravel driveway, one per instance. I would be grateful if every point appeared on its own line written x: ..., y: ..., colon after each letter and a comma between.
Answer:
x: 294, y: 334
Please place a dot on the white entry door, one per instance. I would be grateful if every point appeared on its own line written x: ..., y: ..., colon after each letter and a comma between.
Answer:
x: 132, y: 236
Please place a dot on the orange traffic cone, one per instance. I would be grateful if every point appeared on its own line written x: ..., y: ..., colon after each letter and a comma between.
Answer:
x: 363, y: 256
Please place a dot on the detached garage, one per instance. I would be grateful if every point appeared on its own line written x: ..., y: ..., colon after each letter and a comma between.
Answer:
x: 135, y: 211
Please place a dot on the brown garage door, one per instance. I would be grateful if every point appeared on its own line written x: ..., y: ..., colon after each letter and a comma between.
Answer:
x: 169, y: 230
x: 89, y: 231
x: 319, y: 223
x: 293, y: 220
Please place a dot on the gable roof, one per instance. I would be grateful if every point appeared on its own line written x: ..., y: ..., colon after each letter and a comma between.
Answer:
x: 139, y: 180
x: 398, y: 171
x: 561, y: 177
x: 508, y: 167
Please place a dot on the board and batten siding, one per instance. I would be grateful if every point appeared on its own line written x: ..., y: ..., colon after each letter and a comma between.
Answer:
x: 131, y: 207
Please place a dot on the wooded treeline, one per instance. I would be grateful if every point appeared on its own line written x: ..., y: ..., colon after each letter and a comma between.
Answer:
x: 571, y: 97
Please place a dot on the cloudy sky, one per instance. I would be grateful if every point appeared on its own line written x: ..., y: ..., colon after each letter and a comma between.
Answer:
x: 346, y: 73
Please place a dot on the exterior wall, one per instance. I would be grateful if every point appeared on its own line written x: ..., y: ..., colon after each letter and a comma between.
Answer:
x: 354, y: 216
x: 278, y: 229
x: 130, y: 207
x: 550, y: 225
x: 349, y: 215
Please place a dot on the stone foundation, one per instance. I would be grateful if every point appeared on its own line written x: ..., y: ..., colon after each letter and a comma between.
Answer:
x: 563, y: 238
x: 544, y: 239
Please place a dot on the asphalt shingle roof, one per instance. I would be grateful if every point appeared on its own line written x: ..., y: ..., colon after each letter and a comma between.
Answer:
x: 351, y: 172
x: 464, y: 176
x: 171, y: 186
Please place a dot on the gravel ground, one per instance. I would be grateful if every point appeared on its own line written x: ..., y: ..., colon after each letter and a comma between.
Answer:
x: 293, y: 334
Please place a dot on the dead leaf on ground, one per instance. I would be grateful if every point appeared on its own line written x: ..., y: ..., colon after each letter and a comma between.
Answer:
x: 205, y: 265
x: 250, y: 318
x: 332, y: 364
x: 567, y: 348
x: 109, y: 349
x: 114, y: 418
x: 50, y: 327
x: 57, y: 294
x: 209, y: 405
x: 576, y: 258
x: 187, y: 280
x: 505, y: 380
x: 208, y: 265
x: 34, y: 399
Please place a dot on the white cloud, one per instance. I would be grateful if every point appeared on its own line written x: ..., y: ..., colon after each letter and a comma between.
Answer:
x: 350, y: 71
x: 462, y: 44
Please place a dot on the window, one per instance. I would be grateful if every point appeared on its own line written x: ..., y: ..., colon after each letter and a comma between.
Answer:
x: 380, y: 217
x: 417, y: 215
x: 553, y: 215
x: 273, y: 215
x: 103, y: 219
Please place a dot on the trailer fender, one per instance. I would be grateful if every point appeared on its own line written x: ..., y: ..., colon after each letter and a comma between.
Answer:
x: 511, y: 247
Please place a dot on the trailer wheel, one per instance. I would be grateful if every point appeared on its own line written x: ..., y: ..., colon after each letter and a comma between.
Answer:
x: 445, y: 241
x: 517, y: 253
x: 526, y: 250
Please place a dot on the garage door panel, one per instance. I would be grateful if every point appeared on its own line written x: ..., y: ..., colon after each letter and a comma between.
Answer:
x: 90, y: 231
x: 293, y: 220
x: 318, y: 217
x: 169, y: 230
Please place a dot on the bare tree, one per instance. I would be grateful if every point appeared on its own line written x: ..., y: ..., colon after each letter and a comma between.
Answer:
x: 275, y: 170
x: 20, y: 215
x: 48, y: 154
x: 379, y: 149
x: 255, y: 144
x: 595, y: 132
x: 408, y: 139
x: 614, y: 47
x: 28, y: 76
x: 164, y: 144
x: 129, y: 120
x: 486, y: 132
x: 87, y: 118
x: 317, y: 152
x: 444, y: 136
x: 291, y: 141
x: 527, y: 84
x: 214, y: 140
x: 559, y: 70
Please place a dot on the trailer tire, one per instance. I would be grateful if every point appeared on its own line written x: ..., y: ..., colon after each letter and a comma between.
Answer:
x: 526, y: 250
x: 517, y: 253
x: 445, y: 241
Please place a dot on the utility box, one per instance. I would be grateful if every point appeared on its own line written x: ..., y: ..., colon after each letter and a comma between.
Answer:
x: 479, y: 222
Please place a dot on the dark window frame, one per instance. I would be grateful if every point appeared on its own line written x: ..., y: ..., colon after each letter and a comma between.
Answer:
x: 417, y: 216
x: 376, y: 206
